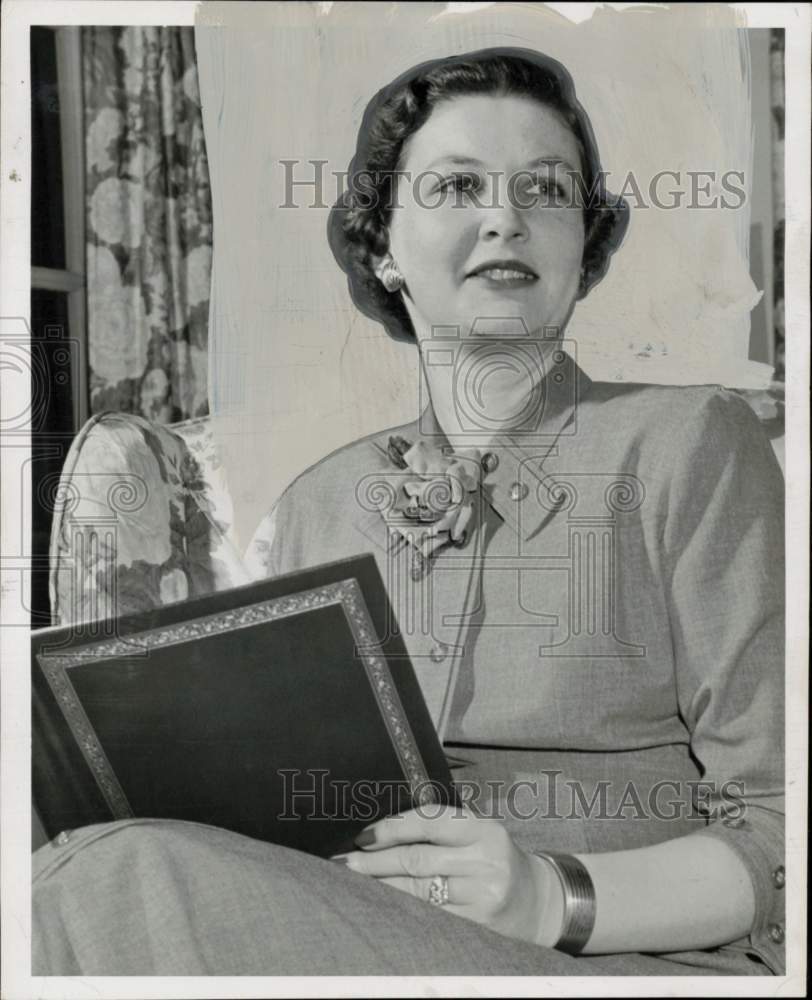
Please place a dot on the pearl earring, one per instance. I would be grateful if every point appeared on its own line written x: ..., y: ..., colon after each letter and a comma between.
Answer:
x: 389, y: 274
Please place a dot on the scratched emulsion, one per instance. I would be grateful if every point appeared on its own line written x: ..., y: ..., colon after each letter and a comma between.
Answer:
x: 296, y: 370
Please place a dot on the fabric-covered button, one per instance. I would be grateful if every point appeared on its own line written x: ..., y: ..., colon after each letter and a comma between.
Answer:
x: 518, y: 491
x: 776, y: 933
x: 490, y: 462
x: 62, y: 838
x: 438, y: 652
x: 780, y: 877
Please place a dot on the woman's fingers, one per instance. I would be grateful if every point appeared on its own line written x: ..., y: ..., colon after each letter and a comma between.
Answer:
x: 452, y: 826
x: 460, y: 891
x: 418, y: 887
x: 490, y: 879
x: 414, y: 861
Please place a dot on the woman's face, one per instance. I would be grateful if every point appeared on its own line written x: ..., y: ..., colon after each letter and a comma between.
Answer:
x: 489, y: 180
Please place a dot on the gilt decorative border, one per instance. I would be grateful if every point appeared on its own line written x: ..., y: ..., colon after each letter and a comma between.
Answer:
x: 346, y: 593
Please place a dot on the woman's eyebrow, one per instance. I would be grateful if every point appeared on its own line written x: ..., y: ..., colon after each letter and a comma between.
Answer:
x: 554, y: 161
x: 456, y: 160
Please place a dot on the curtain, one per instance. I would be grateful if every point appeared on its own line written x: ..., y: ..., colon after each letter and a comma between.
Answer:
x: 777, y: 102
x: 148, y: 222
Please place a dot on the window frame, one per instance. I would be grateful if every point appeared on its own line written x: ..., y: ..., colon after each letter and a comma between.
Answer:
x: 72, y: 278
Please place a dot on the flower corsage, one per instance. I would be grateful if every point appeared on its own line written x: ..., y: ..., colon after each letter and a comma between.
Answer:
x: 435, y: 504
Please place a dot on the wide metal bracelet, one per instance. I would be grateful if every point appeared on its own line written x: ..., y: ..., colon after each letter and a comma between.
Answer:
x: 579, y: 901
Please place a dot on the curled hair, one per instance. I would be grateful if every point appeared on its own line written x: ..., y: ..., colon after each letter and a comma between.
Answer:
x: 358, y: 223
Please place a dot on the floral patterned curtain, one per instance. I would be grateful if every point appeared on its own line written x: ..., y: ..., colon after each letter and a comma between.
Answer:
x: 149, y: 222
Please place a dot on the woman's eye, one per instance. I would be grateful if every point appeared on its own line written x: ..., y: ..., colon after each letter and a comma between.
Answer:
x: 547, y: 190
x: 460, y: 182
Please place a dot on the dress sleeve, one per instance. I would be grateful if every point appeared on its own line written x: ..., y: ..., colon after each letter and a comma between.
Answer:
x: 724, y: 553
x: 274, y: 548
x: 261, y: 556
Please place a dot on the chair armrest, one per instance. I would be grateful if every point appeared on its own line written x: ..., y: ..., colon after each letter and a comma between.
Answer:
x: 133, y: 526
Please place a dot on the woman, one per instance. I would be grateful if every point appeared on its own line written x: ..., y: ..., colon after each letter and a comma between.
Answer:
x: 593, y: 609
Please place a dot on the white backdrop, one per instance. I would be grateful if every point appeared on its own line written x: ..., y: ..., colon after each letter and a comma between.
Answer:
x: 295, y: 370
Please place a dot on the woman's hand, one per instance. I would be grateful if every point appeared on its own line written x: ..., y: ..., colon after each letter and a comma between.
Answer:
x: 490, y: 879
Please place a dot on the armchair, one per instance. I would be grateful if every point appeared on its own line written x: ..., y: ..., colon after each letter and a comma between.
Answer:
x: 142, y: 518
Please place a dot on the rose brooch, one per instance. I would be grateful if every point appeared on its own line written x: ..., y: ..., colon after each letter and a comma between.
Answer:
x: 434, y: 505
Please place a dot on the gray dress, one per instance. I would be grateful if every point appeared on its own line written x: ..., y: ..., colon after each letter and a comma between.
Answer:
x: 604, y: 655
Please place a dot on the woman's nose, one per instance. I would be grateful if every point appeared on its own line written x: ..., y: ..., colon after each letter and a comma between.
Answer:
x: 504, y: 220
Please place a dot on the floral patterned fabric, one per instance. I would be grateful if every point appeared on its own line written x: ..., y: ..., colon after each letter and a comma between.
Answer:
x: 141, y: 520
x: 148, y: 222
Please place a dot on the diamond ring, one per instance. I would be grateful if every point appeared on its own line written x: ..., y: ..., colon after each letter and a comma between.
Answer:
x: 438, y: 890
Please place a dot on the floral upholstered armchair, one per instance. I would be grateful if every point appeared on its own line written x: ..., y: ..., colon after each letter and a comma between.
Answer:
x: 142, y: 518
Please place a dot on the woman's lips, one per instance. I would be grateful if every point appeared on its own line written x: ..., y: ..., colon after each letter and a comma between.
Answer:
x: 504, y: 277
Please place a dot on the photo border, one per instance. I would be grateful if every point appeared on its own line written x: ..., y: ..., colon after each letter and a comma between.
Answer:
x: 15, y: 860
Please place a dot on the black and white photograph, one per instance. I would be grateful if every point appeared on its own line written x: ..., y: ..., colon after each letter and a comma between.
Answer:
x: 405, y: 482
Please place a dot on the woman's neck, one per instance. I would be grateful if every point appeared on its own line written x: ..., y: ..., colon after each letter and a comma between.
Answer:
x: 486, y: 388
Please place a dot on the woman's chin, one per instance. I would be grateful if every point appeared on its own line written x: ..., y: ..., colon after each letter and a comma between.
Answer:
x: 501, y: 315
x: 504, y: 323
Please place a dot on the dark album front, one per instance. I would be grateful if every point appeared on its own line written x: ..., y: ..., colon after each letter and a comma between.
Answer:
x: 286, y: 710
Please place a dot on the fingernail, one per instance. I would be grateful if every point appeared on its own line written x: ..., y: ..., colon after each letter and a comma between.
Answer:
x: 339, y: 859
x: 365, y: 838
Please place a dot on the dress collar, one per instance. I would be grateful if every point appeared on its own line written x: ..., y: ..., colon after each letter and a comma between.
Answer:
x: 513, y: 483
